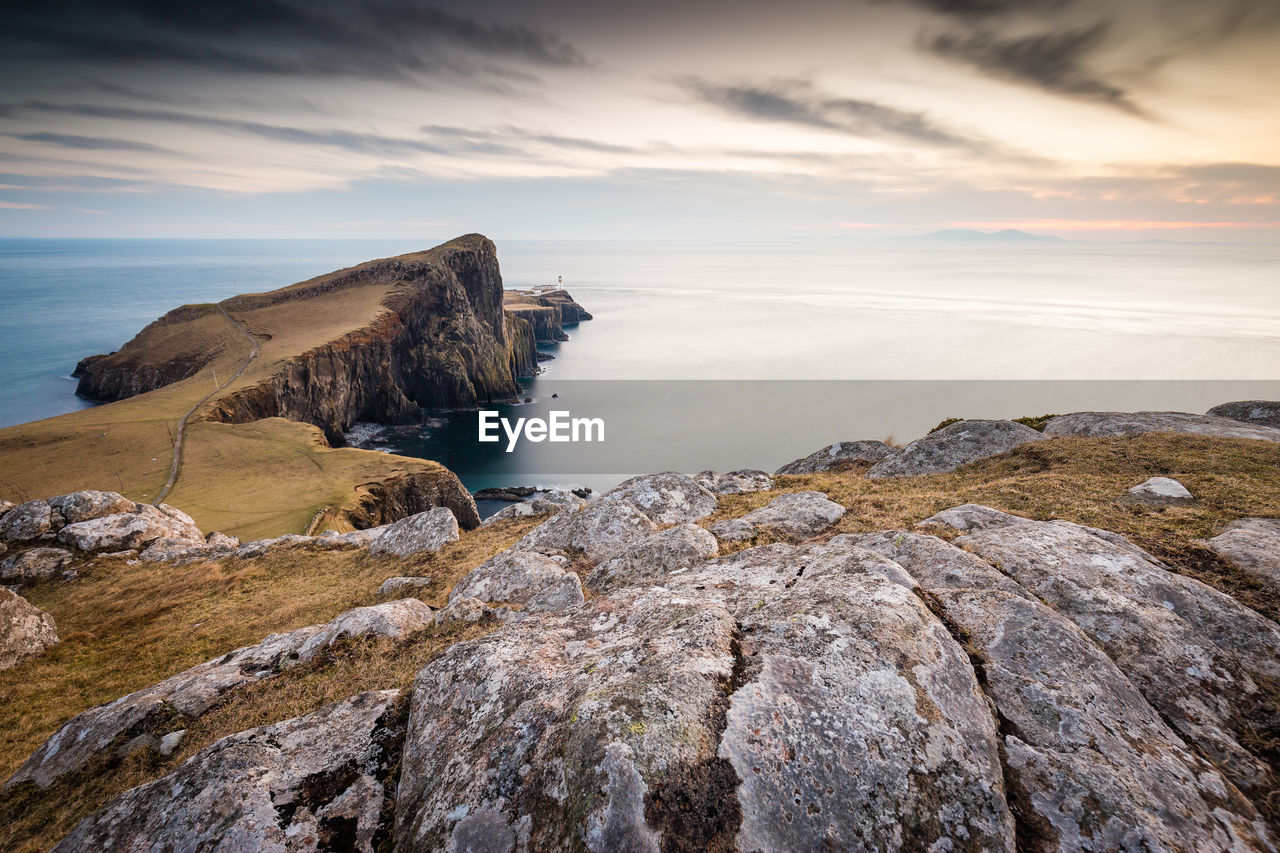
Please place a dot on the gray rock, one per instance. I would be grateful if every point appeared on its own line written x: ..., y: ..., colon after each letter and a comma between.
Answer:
x: 599, y: 531
x: 967, y: 518
x: 5, y: 506
x: 525, y: 578
x: 131, y: 530
x: 317, y: 782
x: 222, y: 540
x: 1201, y: 659
x: 403, y: 586
x: 1253, y: 546
x: 666, y: 498
x: 169, y: 743
x: 771, y: 702
x: 181, y: 551
x: 259, y: 547
x: 86, y: 505
x: 735, y: 482
x: 838, y: 455
x: 937, y: 565
x: 1157, y: 492
x: 1258, y: 412
x: 25, y: 630
x: 195, y: 690
x: 469, y: 610
x: 1137, y: 423
x: 797, y: 515
x: 952, y: 446
x: 547, y: 503
x: 27, y: 522
x: 426, y: 531
x: 651, y: 559
x: 36, y: 564
x: 363, y: 538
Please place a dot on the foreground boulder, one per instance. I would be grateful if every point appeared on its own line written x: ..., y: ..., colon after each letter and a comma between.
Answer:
x: 653, y: 558
x: 1253, y: 546
x: 180, y: 551
x: 192, y: 692
x: 667, y: 498
x: 838, y: 455
x: 1259, y: 412
x: 735, y: 482
x: 1136, y: 423
x: 318, y: 782
x: 598, y: 531
x: 797, y: 515
x: 952, y: 446
x: 131, y: 530
x: 759, y: 702
x: 426, y: 531
x: 1157, y: 492
x: 25, y: 630
x: 533, y: 581
x: 37, y: 564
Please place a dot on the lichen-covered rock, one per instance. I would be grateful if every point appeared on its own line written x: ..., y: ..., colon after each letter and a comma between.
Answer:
x: 599, y: 531
x: 27, y: 522
x: 36, y: 564
x: 653, y: 558
x: 797, y: 515
x: 426, y: 531
x: 258, y: 547
x: 969, y: 517
x: 525, y: 578
x: 363, y: 538
x: 25, y: 630
x: 222, y: 540
x: 195, y: 690
x: 82, y: 506
x: 403, y: 586
x: 952, y: 446
x: 666, y: 498
x: 838, y: 455
x: 317, y: 782
x: 182, y: 551
x: 1258, y: 412
x: 1205, y: 662
x: 469, y: 610
x: 735, y: 482
x: 1158, y: 491
x: 1084, y: 751
x: 5, y: 506
x: 131, y: 530
x: 754, y: 703
x: 1137, y: 423
x: 1253, y: 546
x: 545, y: 503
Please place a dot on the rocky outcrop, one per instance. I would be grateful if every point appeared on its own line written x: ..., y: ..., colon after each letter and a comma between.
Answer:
x: 667, y: 498
x: 37, y: 564
x: 131, y: 530
x: 1157, y: 492
x: 734, y: 482
x: 403, y: 495
x: 651, y: 559
x: 746, y: 705
x: 1252, y: 545
x: 25, y: 630
x: 598, y: 531
x: 318, y: 782
x: 1258, y: 412
x: 192, y: 692
x: 958, y: 444
x: 402, y: 585
x: 1096, y: 424
x: 797, y: 515
x: 545, y: 503
x: 545, y: 311
x: 838, y: 455
x: 527, y: 579
x: 134, y: 370
x: 426, y: 531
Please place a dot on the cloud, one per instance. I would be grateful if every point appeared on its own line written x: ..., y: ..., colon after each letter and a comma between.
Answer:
x: 1052, y: 61
x: 86, y: 143
x: 395, y: 39
x: 986, y: 8
x: 800, y: 102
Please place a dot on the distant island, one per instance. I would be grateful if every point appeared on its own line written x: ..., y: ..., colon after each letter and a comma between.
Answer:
x: 1008, y: 235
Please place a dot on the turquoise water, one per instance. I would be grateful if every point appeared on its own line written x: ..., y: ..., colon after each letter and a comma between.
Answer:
x: 944, y: 330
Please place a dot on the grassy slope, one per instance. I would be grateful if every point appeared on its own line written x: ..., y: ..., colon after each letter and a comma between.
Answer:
x: 250, y: 480
x: 125, y: 627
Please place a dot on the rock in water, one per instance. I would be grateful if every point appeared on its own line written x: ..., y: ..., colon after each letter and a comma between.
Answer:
x: 797, y: 515
x: 1253, y: 546
x: 531, y: 580
x: 426, y: 531
x: 734, y: 482
x: 36, y: 564
x: 1259, y: 412
x: 25, y: 630
x: 760, y: 702
x: 653, y: 558
x: 1137, y: 423
x: 952, y: 446
x: 318, y: 782
x: 837, y: 455
x: 1158, y: 491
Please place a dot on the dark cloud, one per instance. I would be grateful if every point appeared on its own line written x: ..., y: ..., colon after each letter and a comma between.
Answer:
x: 986, y: 8
x: 799, y: 102
x: 1055, y: 62
x: 394, y: 39
x: 86, y: 143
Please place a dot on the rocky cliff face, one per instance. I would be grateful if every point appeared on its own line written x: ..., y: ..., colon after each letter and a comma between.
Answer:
x: 132, y: 370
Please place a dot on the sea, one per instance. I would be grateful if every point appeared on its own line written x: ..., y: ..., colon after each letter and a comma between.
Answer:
x: 728, y: 355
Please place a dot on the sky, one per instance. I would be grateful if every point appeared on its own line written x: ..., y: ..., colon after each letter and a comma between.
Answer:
x: 698, y: 120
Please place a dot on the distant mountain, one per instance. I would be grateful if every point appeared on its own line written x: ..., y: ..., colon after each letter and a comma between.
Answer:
x: 1009, y: 235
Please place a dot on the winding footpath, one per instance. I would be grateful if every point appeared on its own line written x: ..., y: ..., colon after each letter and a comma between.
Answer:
x: 176, y: 467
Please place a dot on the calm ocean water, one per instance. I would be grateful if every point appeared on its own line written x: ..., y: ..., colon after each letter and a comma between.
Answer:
x: 817, y: 311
